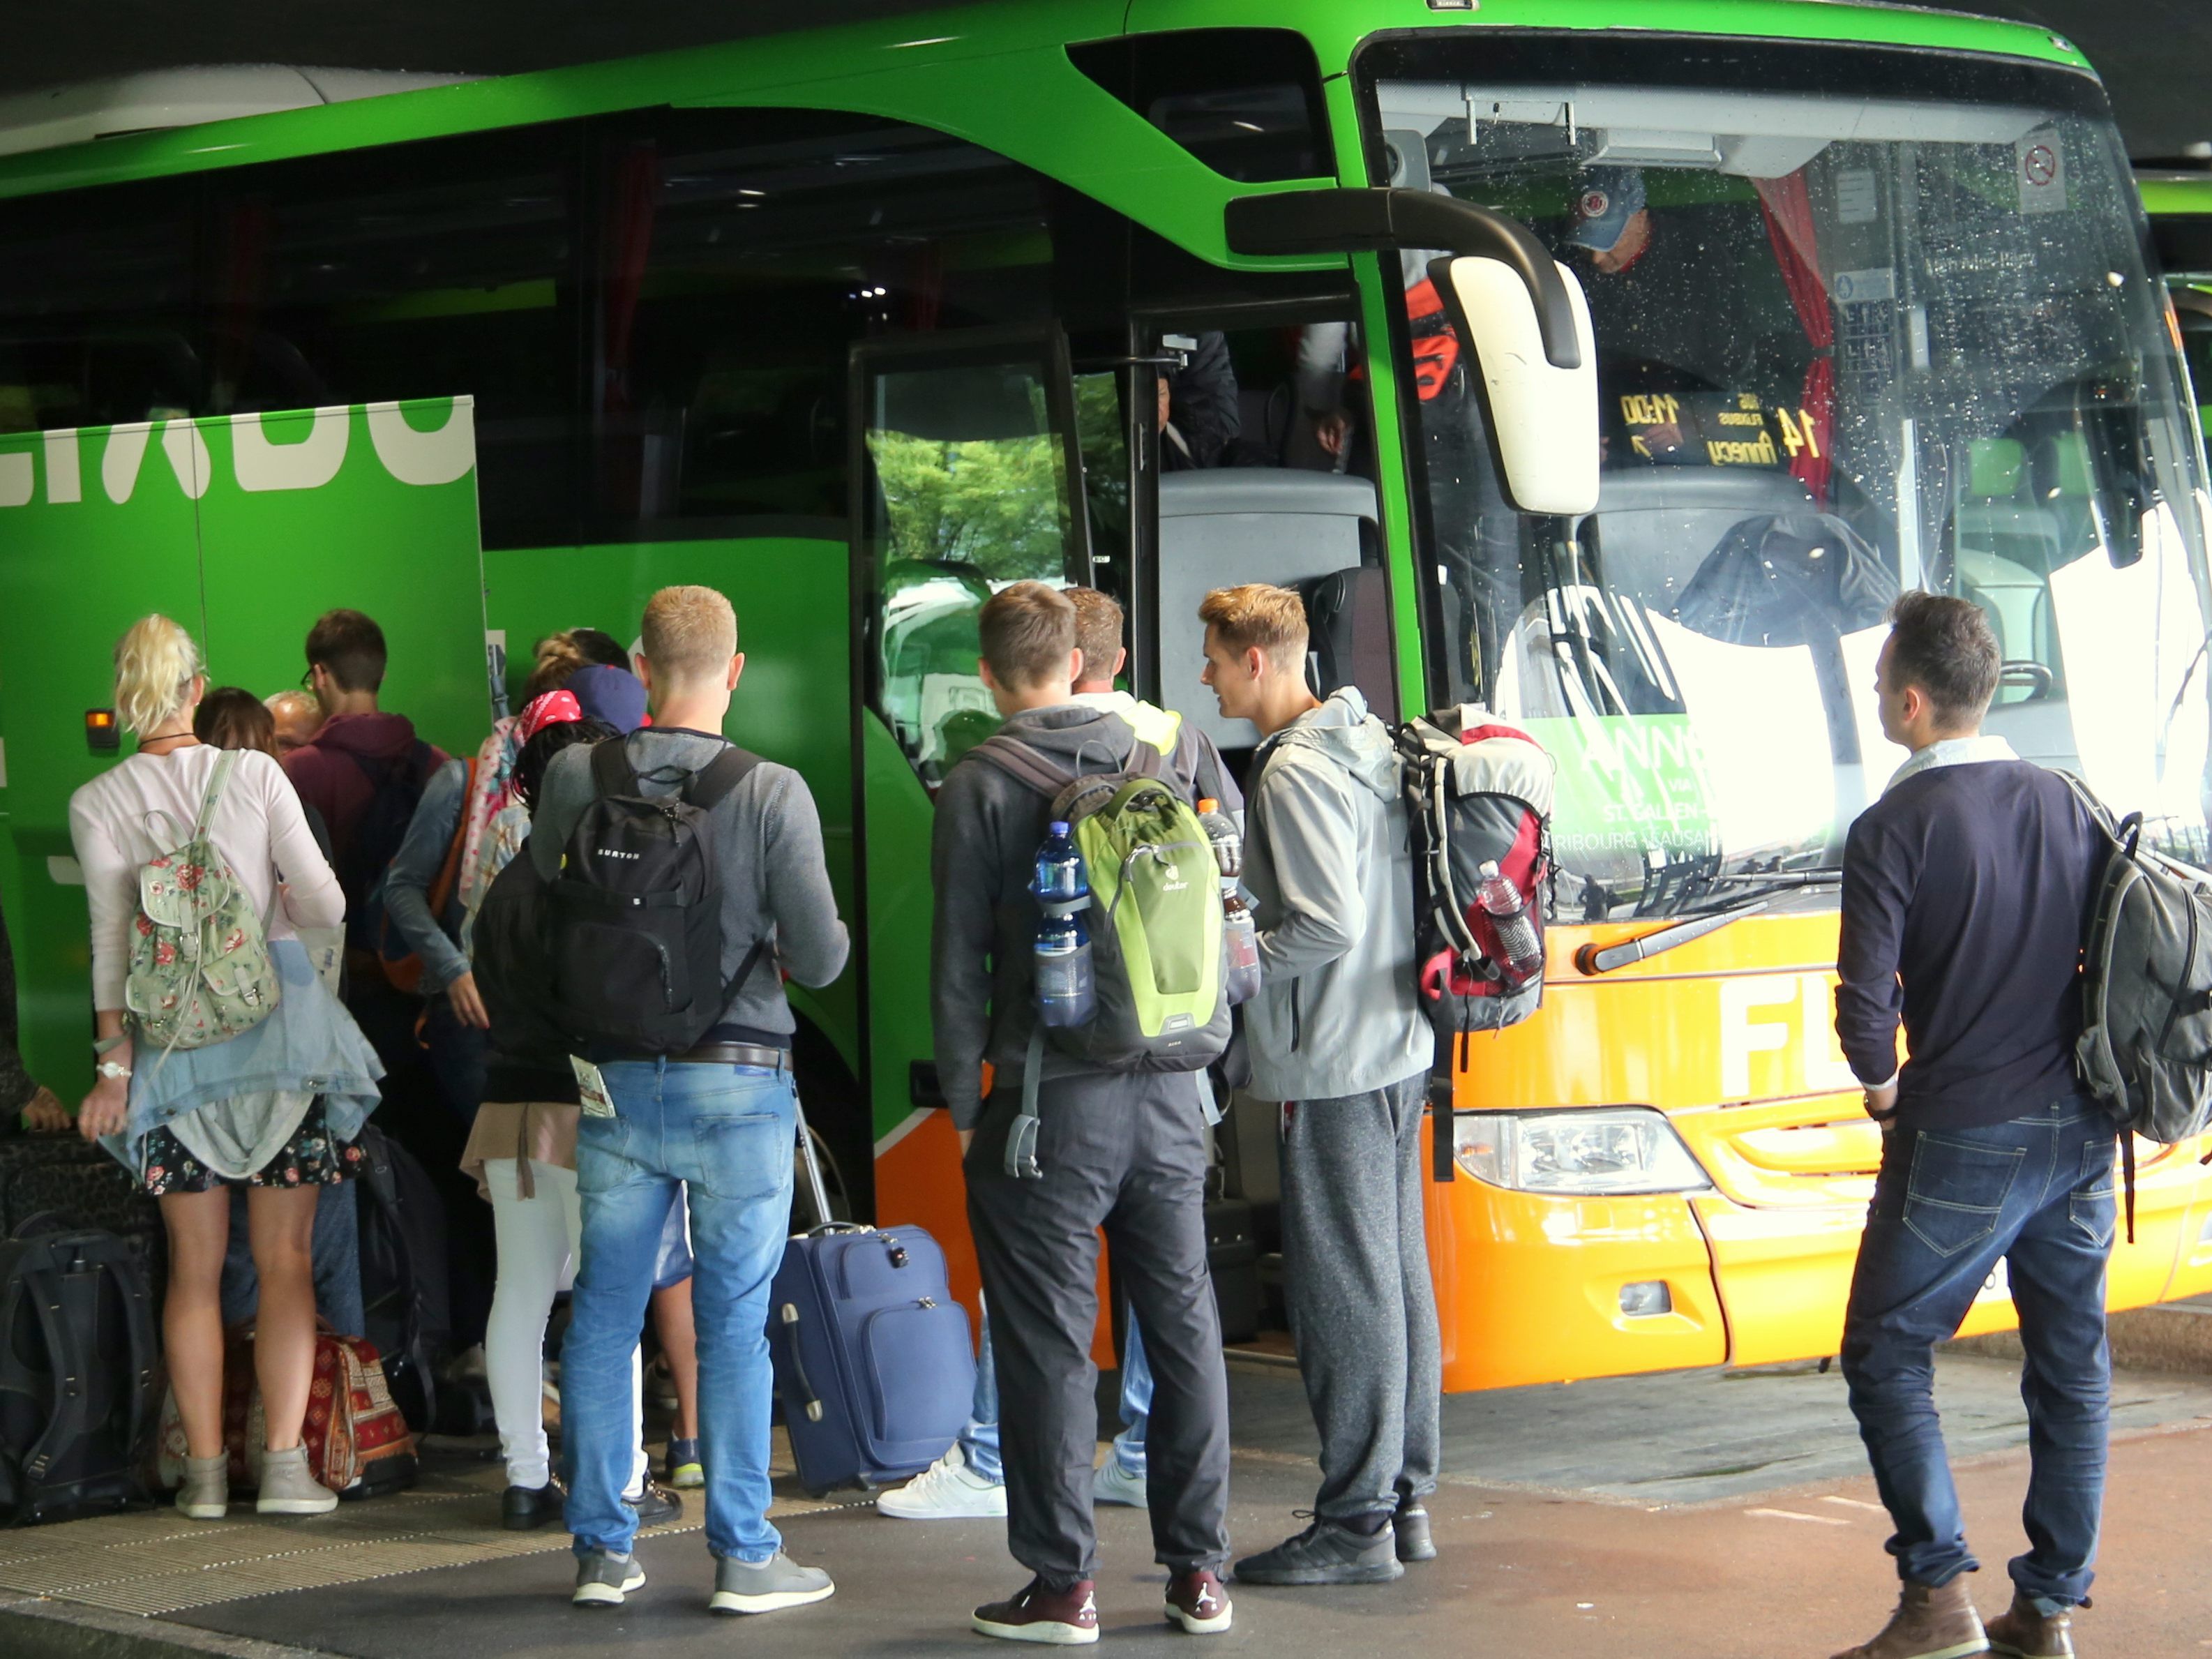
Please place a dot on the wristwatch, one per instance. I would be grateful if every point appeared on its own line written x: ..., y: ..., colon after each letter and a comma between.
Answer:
x: 109, y: 1068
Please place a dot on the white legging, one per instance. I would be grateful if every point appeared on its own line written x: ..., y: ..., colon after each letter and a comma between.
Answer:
x: 539, y: 1238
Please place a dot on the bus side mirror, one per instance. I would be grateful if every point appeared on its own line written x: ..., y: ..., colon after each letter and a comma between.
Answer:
x: 1542, y: 418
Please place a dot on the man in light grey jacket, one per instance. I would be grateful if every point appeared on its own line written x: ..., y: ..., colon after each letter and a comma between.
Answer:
x: 1337, y: 1036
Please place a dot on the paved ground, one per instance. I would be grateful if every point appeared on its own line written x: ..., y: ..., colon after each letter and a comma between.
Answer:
x: 1721, y: 1514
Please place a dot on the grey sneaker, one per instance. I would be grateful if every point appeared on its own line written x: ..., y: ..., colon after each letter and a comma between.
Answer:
x: 287, y: 1488
x: 1410, y: 1524
x: 1325, y: 1554
x: 205, y: 1494
x: 767, y: 1586
x: 602, y: 1581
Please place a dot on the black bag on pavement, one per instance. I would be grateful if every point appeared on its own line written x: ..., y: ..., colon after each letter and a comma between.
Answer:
x: 873, y: 1361
x: 635, y: 934
x: 63, y: 1181
x: 78, y: 1400
x: 404, y: 1304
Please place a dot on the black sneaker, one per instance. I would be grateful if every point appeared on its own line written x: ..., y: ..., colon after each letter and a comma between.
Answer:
x: 525, y: 1509
x: 655, y: 1505
x: 1411, y: 1525
x: 1325, y: 1554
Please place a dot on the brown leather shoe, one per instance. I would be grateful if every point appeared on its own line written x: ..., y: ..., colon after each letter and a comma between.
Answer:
x: 1198, y: 1603
x: 1064, y: 1618
x: 1937, y: 1622
x: 2022, y: 1633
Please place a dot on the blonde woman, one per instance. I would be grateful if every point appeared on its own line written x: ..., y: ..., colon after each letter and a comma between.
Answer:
x: 275, y: 1108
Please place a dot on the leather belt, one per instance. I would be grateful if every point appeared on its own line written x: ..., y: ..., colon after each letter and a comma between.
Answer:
x: 730, y: 1053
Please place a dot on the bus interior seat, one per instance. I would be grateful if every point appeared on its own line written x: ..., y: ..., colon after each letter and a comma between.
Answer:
x: 1656, y: 523
x: 1348, y: 634
x: 2060, y: 475
x: 1998, y: 516
x: 1236, y: 524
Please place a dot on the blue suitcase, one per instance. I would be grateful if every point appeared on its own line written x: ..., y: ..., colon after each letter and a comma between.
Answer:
x: 873, y: 1362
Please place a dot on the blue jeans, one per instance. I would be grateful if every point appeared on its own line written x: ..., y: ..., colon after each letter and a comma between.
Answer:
x: 979, y: 1441
x: 723, y: 1136
x: 2037, y: 1192
x: 336, y: 1254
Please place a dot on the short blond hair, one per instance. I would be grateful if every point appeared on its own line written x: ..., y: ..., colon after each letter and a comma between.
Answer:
x: 1027, y: 633
x: 1097, y: 631
x: 691, y: 633
x: 156, y: 663
x: 1259, y: 614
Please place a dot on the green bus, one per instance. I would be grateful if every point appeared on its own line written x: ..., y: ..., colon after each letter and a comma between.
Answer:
x: 859, y: 324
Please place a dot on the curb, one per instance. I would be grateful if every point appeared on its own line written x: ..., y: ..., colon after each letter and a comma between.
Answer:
x: 40, y: 1627
x: 2175, y: 1336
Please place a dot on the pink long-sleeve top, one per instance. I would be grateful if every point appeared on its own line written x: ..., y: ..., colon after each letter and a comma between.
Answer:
x: 145, y: 806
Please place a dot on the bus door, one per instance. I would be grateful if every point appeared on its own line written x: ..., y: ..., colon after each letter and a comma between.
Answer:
x: 967, y: 478
x: 1255, y: 464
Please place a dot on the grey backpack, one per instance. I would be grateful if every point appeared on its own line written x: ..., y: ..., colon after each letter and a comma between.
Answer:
x: 2146, y: 1047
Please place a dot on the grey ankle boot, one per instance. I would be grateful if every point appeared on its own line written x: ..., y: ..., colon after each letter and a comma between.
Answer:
x: 205, y: 1493
x: 287, y: 1488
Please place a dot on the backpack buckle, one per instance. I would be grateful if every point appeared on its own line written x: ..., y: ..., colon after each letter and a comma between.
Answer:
x: 1021, y: 1150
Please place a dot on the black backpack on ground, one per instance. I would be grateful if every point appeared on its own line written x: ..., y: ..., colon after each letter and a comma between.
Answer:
x: 55, y: 1182
x: 396, y: 785
x: 635, y: 919
x: 406, y: 1312
x: 78, y: 1402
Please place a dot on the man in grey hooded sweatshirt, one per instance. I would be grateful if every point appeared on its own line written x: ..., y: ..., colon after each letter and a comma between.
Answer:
x: 1121, y: 1151
x: 1337, y: 1036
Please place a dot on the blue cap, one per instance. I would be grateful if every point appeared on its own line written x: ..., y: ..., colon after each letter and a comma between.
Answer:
x: 613, y: 695
x: 1608, y: 199
x: 1056, y: 828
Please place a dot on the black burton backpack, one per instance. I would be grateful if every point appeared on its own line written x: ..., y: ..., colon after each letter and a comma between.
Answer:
x: 635, y: 923
x: 77, y: 1357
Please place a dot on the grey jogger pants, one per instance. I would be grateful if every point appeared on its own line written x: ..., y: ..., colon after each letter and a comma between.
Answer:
x: 1363, y: 1311
x: 1127, y: 1153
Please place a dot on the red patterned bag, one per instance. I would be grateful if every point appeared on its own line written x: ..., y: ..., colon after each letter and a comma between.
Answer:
x: 358, y: 1444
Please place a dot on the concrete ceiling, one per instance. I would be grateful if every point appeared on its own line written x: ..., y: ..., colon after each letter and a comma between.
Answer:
x: 2156, y: 55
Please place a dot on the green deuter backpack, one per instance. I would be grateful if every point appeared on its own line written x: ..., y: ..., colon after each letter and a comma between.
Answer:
x: 1157, y: 953
x: 200, y: 970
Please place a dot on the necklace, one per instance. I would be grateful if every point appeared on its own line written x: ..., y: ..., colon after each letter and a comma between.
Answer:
x: 184, y: 739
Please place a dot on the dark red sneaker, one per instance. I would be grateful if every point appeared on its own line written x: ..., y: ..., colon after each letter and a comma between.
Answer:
x: 1198, y: 1603
x: 1066, y: 1618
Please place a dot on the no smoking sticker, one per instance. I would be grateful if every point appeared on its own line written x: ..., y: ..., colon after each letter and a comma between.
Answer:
x: 2040, y: 164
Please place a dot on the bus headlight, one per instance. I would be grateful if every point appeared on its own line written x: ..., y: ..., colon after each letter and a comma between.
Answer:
x: 1598, y: 1151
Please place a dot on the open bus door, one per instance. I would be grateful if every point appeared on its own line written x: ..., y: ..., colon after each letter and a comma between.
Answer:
x: 967, y: 477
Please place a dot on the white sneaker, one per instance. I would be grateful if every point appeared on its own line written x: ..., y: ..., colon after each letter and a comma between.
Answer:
x: 948, y: 1490
x: 1114, y: 1484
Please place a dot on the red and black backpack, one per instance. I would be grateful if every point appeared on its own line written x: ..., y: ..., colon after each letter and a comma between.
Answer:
x: 1477, y: 791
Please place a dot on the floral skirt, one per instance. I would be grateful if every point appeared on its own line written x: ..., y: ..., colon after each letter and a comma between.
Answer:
x: 313, y: 1157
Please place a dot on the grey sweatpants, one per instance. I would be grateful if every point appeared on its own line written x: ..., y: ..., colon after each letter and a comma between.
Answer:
x: 1127, y: 1154
x: 1362, y: 1312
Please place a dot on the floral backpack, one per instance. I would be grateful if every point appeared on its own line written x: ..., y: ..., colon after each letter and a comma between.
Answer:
x: 200, y: 970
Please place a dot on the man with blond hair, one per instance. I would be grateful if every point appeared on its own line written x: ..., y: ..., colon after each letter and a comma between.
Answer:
x: 1124, y: 1151
x: 1337, y: 1038
x: 718, y: 1122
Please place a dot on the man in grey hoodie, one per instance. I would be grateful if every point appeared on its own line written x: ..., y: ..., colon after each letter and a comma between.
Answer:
x: 1124, y: 1151
x: 1337, y: 1036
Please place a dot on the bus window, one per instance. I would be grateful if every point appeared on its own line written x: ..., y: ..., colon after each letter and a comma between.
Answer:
x: 969, y: 470
x: 415, y: 270
x: 744, y: 253
x: 96, y: 299
x: 1247, y: 102
x: 1853, y: 336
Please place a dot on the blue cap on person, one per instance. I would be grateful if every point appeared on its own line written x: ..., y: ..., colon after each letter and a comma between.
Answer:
x: 1608, y: 199
x: 613, y: 695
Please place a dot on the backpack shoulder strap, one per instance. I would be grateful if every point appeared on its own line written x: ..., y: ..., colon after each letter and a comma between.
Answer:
x: 1023, y: 764
x: 714, y: 782
x: 611, y: 772
x: 224, y: 767
x: 1145, y: 760
x: 2125, y: 834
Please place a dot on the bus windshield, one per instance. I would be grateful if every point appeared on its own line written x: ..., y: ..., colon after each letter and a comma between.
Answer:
x: 1851, y: 339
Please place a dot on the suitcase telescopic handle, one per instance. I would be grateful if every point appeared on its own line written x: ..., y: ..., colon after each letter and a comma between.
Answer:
x: 816, y: 1194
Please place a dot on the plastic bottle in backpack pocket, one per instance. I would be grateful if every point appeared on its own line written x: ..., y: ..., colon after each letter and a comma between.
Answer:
x: 1519, y: 945
x: 1240, y: 941
x: 1226, y: 841
x: 1067, y: 993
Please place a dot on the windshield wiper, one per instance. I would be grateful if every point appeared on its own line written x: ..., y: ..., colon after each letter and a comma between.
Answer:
x: 1593, y: 959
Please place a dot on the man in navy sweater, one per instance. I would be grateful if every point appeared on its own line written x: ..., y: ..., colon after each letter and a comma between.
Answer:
x: 1966, y: 893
